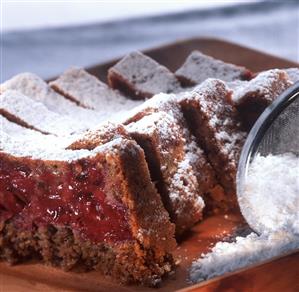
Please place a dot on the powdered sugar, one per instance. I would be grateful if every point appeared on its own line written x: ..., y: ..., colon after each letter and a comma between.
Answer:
x: 270, y: 200
x: 270, y: 203
x: 90, y: 92
x: 199, y: 67
x: 34, y: 87
x: 268, y: 84
x: 36, y: 115
x: 293, y: 74
x: 226, y: 257
x: 30, y: 137
x: 144, y: 75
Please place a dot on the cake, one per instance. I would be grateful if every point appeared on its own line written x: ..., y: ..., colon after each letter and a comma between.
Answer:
x: 37, y: 89
x: 34, y: 115
x: 88, y: 91
x: 93, y: 180
x: 84, y: 209
x: 199, y: 67
x: 31, y: 137
x: 216, y: 125
x: 140, y: 77
x: 252, y: 98
x: 293, y: 74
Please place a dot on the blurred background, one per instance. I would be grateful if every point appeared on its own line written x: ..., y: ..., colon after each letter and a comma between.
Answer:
x: 46, y: 37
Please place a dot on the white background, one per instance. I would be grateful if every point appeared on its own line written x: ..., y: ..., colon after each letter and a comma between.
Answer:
x: 17, y: 15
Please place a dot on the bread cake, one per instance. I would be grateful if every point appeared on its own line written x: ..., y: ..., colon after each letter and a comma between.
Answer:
x: 88, y: 91
x: 162, y: 140
x: 140, y: 77
x: 293, y: 74
x: 90, y: 209
x: 34, y: 115
x: 215, y: 123
x: 107, y: 198
x: 199, y: 67
x: 37, y: 89
x: 31, y: 137
x: 252, y: 98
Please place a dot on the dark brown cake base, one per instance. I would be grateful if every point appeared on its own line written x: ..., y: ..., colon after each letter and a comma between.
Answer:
x: 58, y: 246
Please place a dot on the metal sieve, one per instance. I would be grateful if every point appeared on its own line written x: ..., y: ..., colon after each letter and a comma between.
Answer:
x: 275, y: 132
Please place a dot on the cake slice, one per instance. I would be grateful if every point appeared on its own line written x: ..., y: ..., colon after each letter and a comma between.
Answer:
x: 199, y: 67
x: 31, y: 137
x: 181, y: 172
x: 170, y: 166
x: 26, y: 112
x: 88, y: 91
x: 252, y: 98
x: 216, y: 125
x: 140, y: 77
x: 293, y: 74
x: 84, y: 209
x: 103, y: 133
x: 207, y: 186
x: 34, y: 87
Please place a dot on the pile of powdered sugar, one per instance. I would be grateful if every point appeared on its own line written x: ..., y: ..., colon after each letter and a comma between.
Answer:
x: 227, y: 257
x: 270, y: 203
x: 270, y: 200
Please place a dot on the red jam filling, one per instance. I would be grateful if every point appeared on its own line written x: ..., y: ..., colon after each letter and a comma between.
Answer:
x: 71, y: 194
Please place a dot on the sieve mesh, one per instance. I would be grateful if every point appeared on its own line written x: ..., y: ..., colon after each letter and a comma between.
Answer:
x: 282, y: 135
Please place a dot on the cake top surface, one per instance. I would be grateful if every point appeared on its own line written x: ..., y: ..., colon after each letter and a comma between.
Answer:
x: 198, y: 67
x: 34, y: 87
x: 159, y: 122
x: 36, y: 115
x: 47, y: 152
x: 293, y: 74
x: 32, y: 137
x: 89, y: 91
x: 267, y: 84
x: 146, y: 74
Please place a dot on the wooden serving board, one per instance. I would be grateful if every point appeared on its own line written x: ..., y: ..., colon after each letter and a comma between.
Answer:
x: 279, y: 274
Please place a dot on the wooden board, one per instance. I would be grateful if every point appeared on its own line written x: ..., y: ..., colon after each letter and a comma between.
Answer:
x: 36, y: 277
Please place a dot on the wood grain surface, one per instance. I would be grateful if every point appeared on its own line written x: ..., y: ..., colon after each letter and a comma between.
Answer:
x: 278, y: 275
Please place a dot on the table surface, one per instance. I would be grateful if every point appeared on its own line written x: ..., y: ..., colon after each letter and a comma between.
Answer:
x: 271, y: 26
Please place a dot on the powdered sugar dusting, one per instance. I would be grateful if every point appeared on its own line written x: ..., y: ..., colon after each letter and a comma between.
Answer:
x: 145, y: 75
x: 90, y: 92
x: 268, y: 84
x: 36, y: 115
x: 34, y: 87
x: 12, y: 146
x: 221, y: 116
x: 271, y: 193
x: 293, y: 74
x: 199, y: 67
x: 30, y: 137
x: 227, y: 257
x: 270, y: 204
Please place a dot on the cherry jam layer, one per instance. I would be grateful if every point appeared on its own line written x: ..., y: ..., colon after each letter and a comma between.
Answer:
x: 67, y: 194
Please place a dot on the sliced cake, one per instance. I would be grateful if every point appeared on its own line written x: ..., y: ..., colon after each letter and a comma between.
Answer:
x: 293, y: 74
x: 84, y: 209
x: 34, y: 115
x: 88, y: 91
x: 252, y: 97
x: 216, y: 125
x: 140, y: 77
x: 37, y: 89
x: 27, y: 136
x: 199, y: 67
